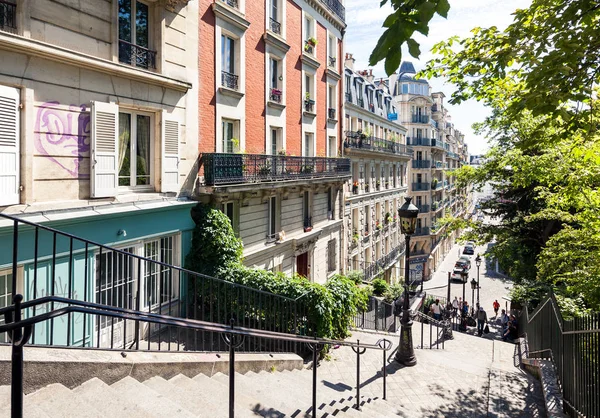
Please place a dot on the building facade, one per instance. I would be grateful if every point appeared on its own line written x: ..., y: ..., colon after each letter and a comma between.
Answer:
x: 270, y: 129
x: 376, y: 144
x: 98, y: 108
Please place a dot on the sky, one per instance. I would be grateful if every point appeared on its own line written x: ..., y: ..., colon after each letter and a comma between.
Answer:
x: 364, y: 19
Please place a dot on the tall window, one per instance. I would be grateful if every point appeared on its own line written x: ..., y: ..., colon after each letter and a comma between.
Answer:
x: 227, y: 54
x: 308, y: 145
x: 229, y: 141
x: 274, y: 12
x: 274, y: 64
x: 275, y: 139
x: 5, y: 297
x: 308, y: 30
x: 272, y: 227
x: 134, y: 41
x: 135, y: 159
x: 306, y: 212
x: 332, y: 146
x: 331, y: 255
x: 227, y: 209
x: 330, y: 203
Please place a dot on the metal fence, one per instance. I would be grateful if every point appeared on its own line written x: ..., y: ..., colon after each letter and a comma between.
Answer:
x: 573, y: 346
x: 378, y: 316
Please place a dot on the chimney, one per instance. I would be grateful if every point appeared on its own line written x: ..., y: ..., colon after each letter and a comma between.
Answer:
x: 349, y: 62
x: 370, y: 77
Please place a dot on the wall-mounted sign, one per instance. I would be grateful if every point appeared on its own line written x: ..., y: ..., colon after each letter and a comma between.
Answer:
x: 418, y: 260
x: 392, y: 116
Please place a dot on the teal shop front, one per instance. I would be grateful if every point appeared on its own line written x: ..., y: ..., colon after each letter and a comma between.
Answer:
x: 60, y: 265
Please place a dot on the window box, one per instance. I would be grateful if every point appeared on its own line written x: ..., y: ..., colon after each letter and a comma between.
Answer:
x: 275, y: 95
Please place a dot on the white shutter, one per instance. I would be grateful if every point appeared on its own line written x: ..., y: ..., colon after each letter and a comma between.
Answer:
x: 169, y: 155
x: 104, y: 155
x: 9, y: 146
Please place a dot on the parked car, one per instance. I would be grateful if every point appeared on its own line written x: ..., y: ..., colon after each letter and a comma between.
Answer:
x: 457, y: 275
x: 469, y: 250
x: 463, y: 262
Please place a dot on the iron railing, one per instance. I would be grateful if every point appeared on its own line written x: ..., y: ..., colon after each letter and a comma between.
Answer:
x: 421, y: 164
x: 374, y: 269
x: 336, y: 7
x: 20, y: 329
x: 358, y: 140
x: 8, y: 16
x: 378, y: 316
x: 63, y: 265
x: 573, y: 346
x: 348, y: 97
x: 418, y: 141
x: 229, y: 80
x: 222, y: 168
x: 275, y: 26
x: 437, y: 143
x: 331, y: 113
x: 423, y: 208
x: 418, y: 187
x: 275, y: 95
x: 443, y: 330
x: 309, y: 106
x: 232, y: 3
x: 332, y: 61
x: 360, y: 102
x: 309, y: 48
x: 421, y: 231
x: 420, y: 118
x: 136, y: 55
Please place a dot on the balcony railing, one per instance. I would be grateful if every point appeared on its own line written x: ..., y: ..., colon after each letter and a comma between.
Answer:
x: 222, y: 168
x: 439, y: 164
x: 332, y: 61
x: 437, y: 143
x: 349, y: 97
x: 309, y: 106
x: 8, y: 16
x: 420, y: 118
x: 136, y: 55
x: 422, y: 231
x: 421, y: 164
x: 418, y: 141
x: 419, y: 187
x: 275, y: 95
x: 384, y: 262
x: 229, y: 80
x: 360, y: 102
x: 436, y: 185
x: 232, y: 3
x: 357, y: 140
x: 336, y: 7
x: 423, y: 208
x: 331, y: 113
x: 309, y: 48
x: 452, y: 155
x: 275, y: 26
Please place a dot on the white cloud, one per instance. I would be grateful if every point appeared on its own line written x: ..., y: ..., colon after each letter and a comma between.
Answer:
x: 365, y: 19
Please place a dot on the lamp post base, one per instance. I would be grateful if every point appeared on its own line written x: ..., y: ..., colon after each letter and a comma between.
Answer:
x: 406, y: 353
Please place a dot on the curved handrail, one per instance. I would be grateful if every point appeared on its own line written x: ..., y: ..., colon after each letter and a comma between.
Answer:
x: 78, y: 306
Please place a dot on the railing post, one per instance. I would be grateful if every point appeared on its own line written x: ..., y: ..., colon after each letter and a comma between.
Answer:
x: 16, y: 386
x: 358, y: 375
x: 231, y: 375
x: 384, y: 371
x: 314, y: 382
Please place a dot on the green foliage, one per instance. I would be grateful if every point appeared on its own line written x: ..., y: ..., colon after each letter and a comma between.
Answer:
x: 380, y: 286
x: 356, y: 276
x: 394, y: 292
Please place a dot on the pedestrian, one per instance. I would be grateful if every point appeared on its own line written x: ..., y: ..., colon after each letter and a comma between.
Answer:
x: 481, y: 320
x: 465, y: 310
x: 436, y: 310
x: 504, y: 320
x: 455, y: 305
x: 496, y: 307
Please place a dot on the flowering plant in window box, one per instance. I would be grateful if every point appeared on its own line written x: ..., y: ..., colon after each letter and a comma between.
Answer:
x: 312, y: 41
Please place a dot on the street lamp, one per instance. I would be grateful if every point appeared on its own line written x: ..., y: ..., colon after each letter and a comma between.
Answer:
x: 465, y: 275
x: 478, y: 263
x: 408, y: 223
x: 473, y: 287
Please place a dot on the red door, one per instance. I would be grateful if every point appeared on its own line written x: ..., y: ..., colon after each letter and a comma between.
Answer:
x: 302, y: 264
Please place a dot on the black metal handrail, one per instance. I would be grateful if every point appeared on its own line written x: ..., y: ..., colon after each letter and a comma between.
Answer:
x: 206, y: 298
x: 373, y: 269
x: 229, y: 80
x: 358, y: 140
x: 378, y: 316
x: 20, y: 330
x: 136, y: 55
x: 8, y: 16
x: 275, y: 26
x: 221, y: 168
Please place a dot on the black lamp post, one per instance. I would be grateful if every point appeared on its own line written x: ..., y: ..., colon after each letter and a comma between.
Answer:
x: 408, y: 223
x: 465, y: 275
x: 473, y: 287
x: 478, y: 263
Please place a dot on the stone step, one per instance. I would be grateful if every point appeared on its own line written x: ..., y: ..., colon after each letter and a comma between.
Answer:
x: 56, y: 401
x: 110, y: 401
x: 156, y: 403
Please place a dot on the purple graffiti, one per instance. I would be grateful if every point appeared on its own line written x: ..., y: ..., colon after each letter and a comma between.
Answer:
x: 62, y: 133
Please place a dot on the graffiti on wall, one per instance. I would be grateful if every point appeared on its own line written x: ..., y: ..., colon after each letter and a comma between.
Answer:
x: 62, y: 135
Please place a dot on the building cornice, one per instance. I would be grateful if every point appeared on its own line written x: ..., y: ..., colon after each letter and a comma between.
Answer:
x: 31, y: 47
x: 276, y: 42
x: 331, y: 17
x: 310, y: 61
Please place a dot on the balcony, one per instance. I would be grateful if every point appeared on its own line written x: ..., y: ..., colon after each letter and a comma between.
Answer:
x: 423, y: 208
x: 452, y: 155
x: 373, y: 269
x: 349, y: 97
x: 336, y: 7
x: 421, y: 231
x: 275, y: 95
x: 135, y: 55
x: 425, y: 142
x: 420, y: 187
x: 421, y: 163
x: 360, y: 102
x: 436, y: 184
x: 437, y: 143
x: 331, y: 61
x: 331, y: 113
x: 437, y: 206
x: 309, y: 106
x: 8, y: 16
x: 223, y: 169
x: 275, y: 26
x: 358, y: 140
x: 420, y: 119
x: 229, y: 80
x: 439, y: 165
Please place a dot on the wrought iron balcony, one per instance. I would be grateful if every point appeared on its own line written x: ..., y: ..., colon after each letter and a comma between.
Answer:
x: 358, y: 140
x: 426, y: 142
x: 452, y: 155
x: 331, y: 113
x: 437, y: 143
x: 222, y: 168
x: 437, y: 185
x: 309, y: 106
x: 423, y: 208
x: 420, y: 118
x: 439, y: 165
x: 360, y: 102
x: 421, y: 231
x: 309, y: 48
x: 420, y: 187
x: 229, y: 80
x: 336, y: 7
x: 373, y: 269
x: 349, y: 97
x: 136, y: 55
x: 275, y: 95
x: 275, y: 26
x: 332, y: 61
x: 232, y: 3
x: 421, y: 164
x: 8, y: 16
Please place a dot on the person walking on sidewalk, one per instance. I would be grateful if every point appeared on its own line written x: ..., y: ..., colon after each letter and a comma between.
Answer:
x: 436, y: 310
x: 481, y: 320
x: 496, y: 307
x: 455, y: 305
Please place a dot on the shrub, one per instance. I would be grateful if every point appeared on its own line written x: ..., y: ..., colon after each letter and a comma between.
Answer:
x: 380, y: 286
x: 394, y: 292
x: 356, y: 276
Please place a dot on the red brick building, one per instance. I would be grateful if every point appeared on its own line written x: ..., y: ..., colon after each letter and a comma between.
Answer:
x: 270, y: 101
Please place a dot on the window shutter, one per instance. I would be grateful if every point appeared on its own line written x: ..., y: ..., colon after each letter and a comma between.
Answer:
x: 104, y: 156
x: 170, y: 155
x: 9, y: 146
